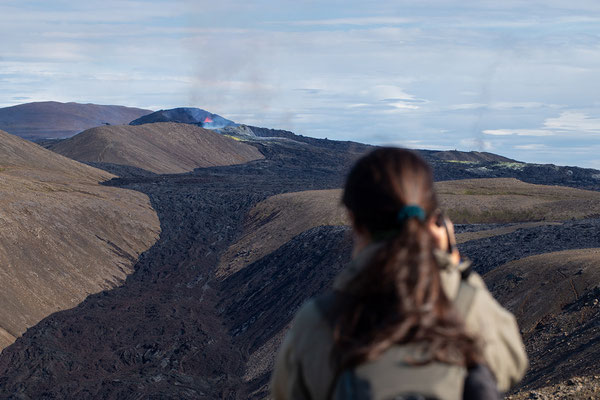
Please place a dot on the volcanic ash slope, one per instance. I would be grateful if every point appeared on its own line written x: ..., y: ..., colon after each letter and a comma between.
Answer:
x: 163, y: 148
x: 63, y: 234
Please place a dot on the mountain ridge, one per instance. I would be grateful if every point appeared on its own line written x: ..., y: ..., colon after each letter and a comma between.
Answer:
x: 52, y: 119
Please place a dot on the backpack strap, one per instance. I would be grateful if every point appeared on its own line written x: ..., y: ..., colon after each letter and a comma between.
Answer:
x: 465, y: 273
x: 326, y: 304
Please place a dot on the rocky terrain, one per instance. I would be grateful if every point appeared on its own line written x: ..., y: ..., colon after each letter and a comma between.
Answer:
x: 563, y: 334
x: 64, y: 235
x: 275, y: 221
x: 242, y: 246
x: 161, y: 332
x: 162, y: 148
x: 51, y: 119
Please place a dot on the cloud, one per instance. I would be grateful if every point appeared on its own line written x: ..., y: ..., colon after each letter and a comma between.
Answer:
x: 574, y: 121
x: 502, y: 105
x: 360, y: 21
x: 390, y: 92
x: 570, y: 123
x: 467, y: 106
x: 518, y: 132
x: 403, y: 105
x: 532, y: 146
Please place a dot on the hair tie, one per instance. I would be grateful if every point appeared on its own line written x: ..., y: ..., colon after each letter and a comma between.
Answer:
x: 411, y: 211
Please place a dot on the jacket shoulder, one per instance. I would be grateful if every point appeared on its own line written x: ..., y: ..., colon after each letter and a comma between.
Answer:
x: 503, y: 348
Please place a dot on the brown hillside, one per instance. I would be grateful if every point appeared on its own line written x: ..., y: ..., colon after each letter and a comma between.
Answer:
x: 523, y: 285
x: 64, y: 236
x: 510, y: 200
x: 51, y: 119
x: 162, y: 148
x: 503, y: 230
x: 561, y: 335
x: 273, y: 222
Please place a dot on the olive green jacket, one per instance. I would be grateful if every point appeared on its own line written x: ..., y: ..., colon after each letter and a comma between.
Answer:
x: 303, y: 369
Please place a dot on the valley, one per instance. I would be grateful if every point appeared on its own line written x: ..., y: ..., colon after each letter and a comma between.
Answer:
x: 243, y: 246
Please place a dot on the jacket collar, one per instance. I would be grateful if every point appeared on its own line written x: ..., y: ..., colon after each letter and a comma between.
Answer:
x: 358, y: 263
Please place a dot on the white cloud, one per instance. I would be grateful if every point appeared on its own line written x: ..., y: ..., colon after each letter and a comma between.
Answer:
x: 358, y: 105
x: 402, y: 105
x: 574, y: 121
x: 467, y: 106
x: 570, y: 123
x: 507, y: 105
x: 502, y: 105
x: 518, y: 132
x: 390, y: 92
x: 533, y: 146
x: 360, y: 21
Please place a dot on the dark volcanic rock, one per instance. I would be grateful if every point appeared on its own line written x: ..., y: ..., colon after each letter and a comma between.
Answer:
x: 265, y: 295
x: 469, y: 156
x: 491, y: 252
x: 186, y: 115
x: 162, y: 334
x: 541, y: 174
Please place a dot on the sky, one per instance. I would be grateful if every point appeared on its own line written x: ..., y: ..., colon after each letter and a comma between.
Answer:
x: 516, y: 78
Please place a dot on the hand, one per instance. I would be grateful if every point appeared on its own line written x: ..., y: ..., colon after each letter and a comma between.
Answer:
x: 442, y: 230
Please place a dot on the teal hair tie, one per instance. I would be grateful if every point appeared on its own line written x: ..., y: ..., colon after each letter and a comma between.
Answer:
x: 411, y: 211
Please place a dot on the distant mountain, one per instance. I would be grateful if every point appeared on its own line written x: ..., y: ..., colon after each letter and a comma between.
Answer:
x: 63, y: 236
x: 465, y: 156
x: 51, y: 119
x: 186, y: 115
x: 162, y: 148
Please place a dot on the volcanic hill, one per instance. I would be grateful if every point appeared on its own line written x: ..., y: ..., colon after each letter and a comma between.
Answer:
x: 64, y: 235
x: 162, y: 148
x: 243, y: 246
x: 275, y: 221
x: 186, y: 115
x: 51, y: 119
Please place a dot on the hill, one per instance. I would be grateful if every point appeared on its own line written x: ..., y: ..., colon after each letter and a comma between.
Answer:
x: 64, y: 235
x: 465, y: 156
x: 561, y: 334
x: 504, y: 200
x: 51, y: 119
x: 187, y: 324
x: 163, y: 148
x: 276, y: 220
x: 186, y: 115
